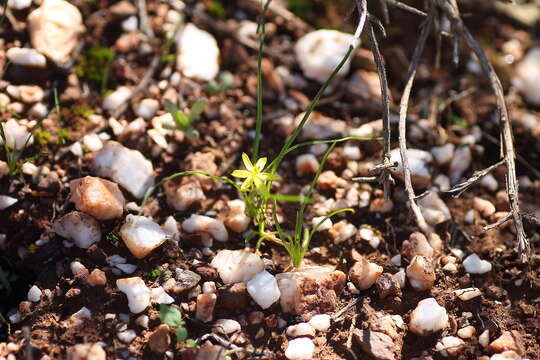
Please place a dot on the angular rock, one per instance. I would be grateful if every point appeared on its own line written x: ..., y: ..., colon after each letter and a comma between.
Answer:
x: 319, y: 52
x: 129, y: 168
x: 160, y: 339
x: 87, y: 351
x: 82, y: 229
x: 428, y: 317
x: 300, y: 329
x: 28, y: 94
x: 300, y: 349
x: 233, y: 296
x: 449, y: 346
x: 141, y: 235
x: 237, y: 265
x: 419, y: 163
x: 137, y: 292
x: 182, y: 197
x: 6, y: 201
x: 200, y: 223
x: 320, y: 322
x: 508, y: 341
x: 387, y: 285
x: 309, y: 290
x: 434, y: 209
x: 55, y: 28
x: 421, y: 273
x: 264, y: 289
x: 468, y: 294
x: 237, y: 220
x: 97, y: 197
x: 186, y: 279
x: 197, y: 53
x: 474, y: 265
x: 205, y: 307
x: 226, y: 326
x: 378, y: 345
x: 116, y: 98
x: 416, y: 245
x: 363, y: 273
x: 341, y: 231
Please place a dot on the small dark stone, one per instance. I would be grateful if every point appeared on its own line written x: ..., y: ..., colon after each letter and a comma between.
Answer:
x: 50, y: 182
x: 233, y: 296
x: 186, y: 279
x: 387, y: 285
x: 465, y: 281
x: 380, y: 346
x: 207, y: 272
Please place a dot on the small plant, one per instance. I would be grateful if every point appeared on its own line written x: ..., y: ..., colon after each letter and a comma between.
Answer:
x: 184, y: 122
x: 153, y: 274
x: 14, y: 156
x: 95, y: 67
x: 226, y: 81
x: 173, y: 317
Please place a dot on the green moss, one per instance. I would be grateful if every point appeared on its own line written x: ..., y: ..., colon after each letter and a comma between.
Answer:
x: 63, y: 136
x: 83, y: 111
x: 42, y: 136
x: 216, y: 9
x: 153, y: 274
x: 94, y: 67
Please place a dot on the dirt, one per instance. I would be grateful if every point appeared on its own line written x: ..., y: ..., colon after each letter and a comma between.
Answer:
x: 511, y: 291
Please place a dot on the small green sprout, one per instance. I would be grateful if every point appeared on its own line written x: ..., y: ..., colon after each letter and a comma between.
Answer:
x: 173, y: 317
x: 63, y: 136
x: 14, y: 156
x: 153, y: 274
x: 42, y: 137
x: 113, y: 237
x: 184, y: 122
x: 226, y: 81
x: 95, y: 66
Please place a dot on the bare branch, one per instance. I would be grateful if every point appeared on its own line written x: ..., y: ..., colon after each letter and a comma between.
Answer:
x: 145, y: 22
x: 406, y: 7
x: 451, y: 10
x: 461, y: 187
x: 426, y: 27
x: 498, y: 223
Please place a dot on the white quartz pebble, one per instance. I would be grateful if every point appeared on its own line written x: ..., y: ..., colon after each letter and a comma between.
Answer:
x: 83, y: 229
x: 264, y: 289
x: 237, y: 265
x: 17, y: 136
x: 428, y: 317
x: 197, y: 53
x: 116, y: 98
x: 319, y: 52
x: 300, y: 349
x: 137, y: 292
x: 6, y: 201
x: 141, y: 235
x: 527, y: 78
x: 26, y: 57
x: 300, y: 329
x: 468, y: 293
x: 159, y: 296
x: 147, y: 108
x: 200, y: 223
x: 320, y: 322
x: 126, y: 336
x: 474, y: 265
x: 34, y: 294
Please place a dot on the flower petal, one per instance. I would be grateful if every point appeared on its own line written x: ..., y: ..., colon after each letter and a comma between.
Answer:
x: 246, y: 184
x: 247, y: 162
x: 258, y: 182
x: 260, y: 164
x: 241, y: 173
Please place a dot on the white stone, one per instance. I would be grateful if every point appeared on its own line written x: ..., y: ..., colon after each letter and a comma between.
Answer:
x: 6, y: 201
x: 54, y: 29
x: 420, y: 273
x: 19, y: 4
x: 325, y: 225
x: 484, y: 207
x: 237, y: 265
x: 428, y: 317
x: 474, y: 265
x: 306, y: 164
x: 450, y: 268
x: 34, y: 294
x: 76, y: 149
x: 116, y: 98
x: 443, y: 154
x: 367, y: 234
x: 264, y: 289
x: 300, y: 349
x: 137, y: 292
x: 26, y: 57
x: 114, y: 260
x: 147, y: 108
x: 97, y: 197
x: 300, y: 329
x: 15, y: 317
x: 489, y: 182
x: 200, y: 223
x: 83, y: 314
x: 197, y: 53
x: 468, y: 293
x: 159, y: 296
x: 141, y: 235
x: 76, y: 267
x: 342, y: 231
x: 396, y: 260
x: 319, y: 52
x: 442, y: 181
x: 17, y: 136
x: 127, y: 268
x: 449, y: 346
x: 130, y: 24
x: 320, y: 322
x: 483, y: 338
x: 237, y: 220
x: 129, y: 168
x: 92, y: 142
x: 227, y: 326
x: 467, y: 332
x: 28, y: 168
x: 38, y: 110
x: 460, y: 163
x: 126, y: 336
x: 142, y: 321
x: 209, y: 287
x: 79, y: 227
x: 170, y: 226
x: 352, y: 152
x: 419, y: 162
x: 527, y: 76
x: 434, y: 209
x: 28, y: 94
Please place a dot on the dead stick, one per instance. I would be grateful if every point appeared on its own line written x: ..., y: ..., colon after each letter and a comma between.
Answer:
x: 422, y: 224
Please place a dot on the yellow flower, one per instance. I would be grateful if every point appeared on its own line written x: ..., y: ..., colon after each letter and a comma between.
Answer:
x: 254, y: 174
